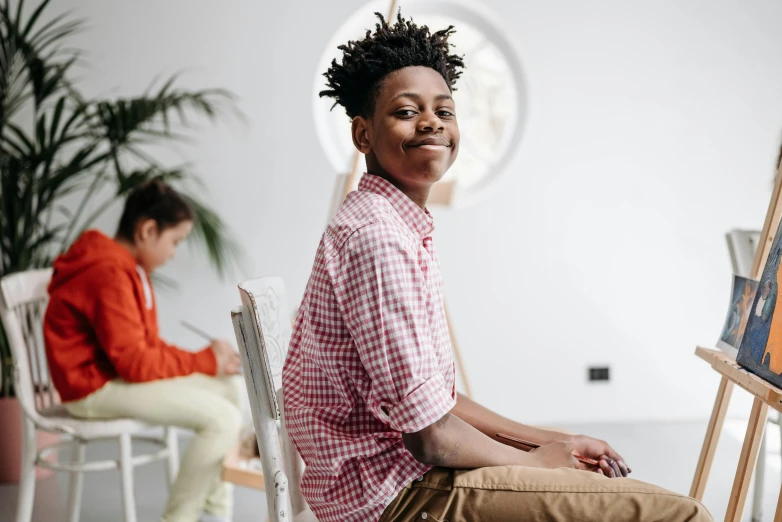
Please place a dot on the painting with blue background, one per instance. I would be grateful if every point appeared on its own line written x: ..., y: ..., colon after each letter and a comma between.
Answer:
x: 752, y: 352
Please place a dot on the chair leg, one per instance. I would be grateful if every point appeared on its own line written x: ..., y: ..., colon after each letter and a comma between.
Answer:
x: 24, y: 511
x: 760, y: 480
x: 172, y: 467
x: 126, y: 470
x: 77, y: 481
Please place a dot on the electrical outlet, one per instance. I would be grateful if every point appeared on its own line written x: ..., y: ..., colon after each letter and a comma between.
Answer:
x: 599, y: 373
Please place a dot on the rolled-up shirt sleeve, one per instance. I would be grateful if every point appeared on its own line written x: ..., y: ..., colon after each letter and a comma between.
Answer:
x: 383, y: 296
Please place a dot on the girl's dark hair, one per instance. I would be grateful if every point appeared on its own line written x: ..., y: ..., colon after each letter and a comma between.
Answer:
x: 153, y: 200
x: 355, y: 82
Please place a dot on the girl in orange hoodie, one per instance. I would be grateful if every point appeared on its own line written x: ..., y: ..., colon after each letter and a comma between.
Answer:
x: 107, y: 359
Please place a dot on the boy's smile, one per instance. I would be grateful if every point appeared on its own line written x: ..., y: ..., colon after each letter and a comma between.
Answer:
x: 412, y: 138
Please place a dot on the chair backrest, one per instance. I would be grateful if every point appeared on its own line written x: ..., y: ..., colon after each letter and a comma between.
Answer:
x: 23, y: 299
x: 263, y: 332
x: 742, y: 245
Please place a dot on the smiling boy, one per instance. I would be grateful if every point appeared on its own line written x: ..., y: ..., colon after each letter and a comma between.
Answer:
x: 369, y: 381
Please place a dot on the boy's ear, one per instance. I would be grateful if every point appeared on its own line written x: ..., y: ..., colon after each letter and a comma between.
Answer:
x: 360, y: 131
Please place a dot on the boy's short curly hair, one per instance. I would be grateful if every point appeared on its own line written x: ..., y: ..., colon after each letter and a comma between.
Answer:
x: 355, y: 82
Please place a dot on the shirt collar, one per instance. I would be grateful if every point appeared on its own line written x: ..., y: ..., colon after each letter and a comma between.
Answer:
x: 418, y: 219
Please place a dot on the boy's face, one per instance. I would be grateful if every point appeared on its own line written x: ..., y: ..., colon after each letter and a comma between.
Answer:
x: 412, y: 138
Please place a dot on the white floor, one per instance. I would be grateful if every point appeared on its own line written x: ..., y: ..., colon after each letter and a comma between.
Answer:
x: 664, y: 454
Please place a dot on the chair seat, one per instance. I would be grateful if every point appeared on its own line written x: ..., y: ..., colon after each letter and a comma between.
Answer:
x: 89, y: 428
x: 305, y: 516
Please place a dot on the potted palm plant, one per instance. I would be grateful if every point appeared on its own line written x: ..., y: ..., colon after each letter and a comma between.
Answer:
x: 65, y: 158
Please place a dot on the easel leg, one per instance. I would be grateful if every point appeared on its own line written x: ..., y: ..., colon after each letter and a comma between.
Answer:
x: 712, y: 438
x: 778, y: 514
x: 760, y: 481
x: 749, y: 455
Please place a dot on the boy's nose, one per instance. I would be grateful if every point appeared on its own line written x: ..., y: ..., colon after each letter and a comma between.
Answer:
x: 430, y: 122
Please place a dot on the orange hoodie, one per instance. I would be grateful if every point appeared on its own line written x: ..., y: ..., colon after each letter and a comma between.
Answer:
x: 101, y: 323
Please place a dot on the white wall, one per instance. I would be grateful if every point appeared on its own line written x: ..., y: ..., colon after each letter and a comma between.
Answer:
x: 653, y: 128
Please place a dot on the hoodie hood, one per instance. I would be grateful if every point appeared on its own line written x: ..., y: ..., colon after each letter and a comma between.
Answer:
x: 92, y: 248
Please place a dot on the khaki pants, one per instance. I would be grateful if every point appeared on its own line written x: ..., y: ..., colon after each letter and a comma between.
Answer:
x: 520, y: 494
x: 206, y: 405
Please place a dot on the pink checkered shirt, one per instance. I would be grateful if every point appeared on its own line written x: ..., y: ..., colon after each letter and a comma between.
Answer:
x: 370, y: 356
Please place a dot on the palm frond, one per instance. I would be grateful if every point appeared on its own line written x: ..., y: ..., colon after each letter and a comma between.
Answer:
x: 40, y: 47
x: 120, y: 121
x: 212, y: 233
x: 14, y: 90
x: 137, y: 178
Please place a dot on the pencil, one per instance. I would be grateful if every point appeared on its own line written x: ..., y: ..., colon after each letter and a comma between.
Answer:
x: 203, y: 334
x: 197, y: 330
x: 533, y: 445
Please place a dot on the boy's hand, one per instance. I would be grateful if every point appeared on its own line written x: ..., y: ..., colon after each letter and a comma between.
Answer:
x: 611, y: 463
x: 555, y: 455
x: 228, y: 360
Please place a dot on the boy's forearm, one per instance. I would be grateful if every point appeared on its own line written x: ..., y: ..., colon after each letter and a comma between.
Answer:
x: 453, y: 443
x: 490, y: 423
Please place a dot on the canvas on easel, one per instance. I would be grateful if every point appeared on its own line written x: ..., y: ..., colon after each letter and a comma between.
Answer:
x: 761, y: 346
x: 742, y: 295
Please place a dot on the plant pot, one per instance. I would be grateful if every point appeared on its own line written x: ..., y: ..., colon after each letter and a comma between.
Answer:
x: 11, y: 442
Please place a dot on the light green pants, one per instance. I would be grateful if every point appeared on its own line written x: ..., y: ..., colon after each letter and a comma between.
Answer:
x: 207, y: 405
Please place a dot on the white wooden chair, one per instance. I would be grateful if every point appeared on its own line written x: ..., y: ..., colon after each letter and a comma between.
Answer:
x: 742, y: 245
x: 23, y: 300
x: 263, y: 331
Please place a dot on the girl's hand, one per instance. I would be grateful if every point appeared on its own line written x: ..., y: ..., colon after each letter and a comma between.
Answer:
x: 228, y: 360
x: 555, y: 455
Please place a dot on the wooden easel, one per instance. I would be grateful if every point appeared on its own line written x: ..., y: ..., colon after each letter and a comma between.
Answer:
x: 766, y: 394
x: 442, y: 194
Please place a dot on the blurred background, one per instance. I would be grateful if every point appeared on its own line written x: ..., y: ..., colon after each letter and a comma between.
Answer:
x: 613, y: 144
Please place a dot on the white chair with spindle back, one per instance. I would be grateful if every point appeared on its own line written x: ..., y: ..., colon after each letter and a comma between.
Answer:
x: 263, y: 331
x: 23, y: 299
x: 742, y: 245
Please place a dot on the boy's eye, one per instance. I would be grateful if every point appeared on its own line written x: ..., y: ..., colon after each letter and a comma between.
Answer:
x: 405, y: 113
x: 446, y: 113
